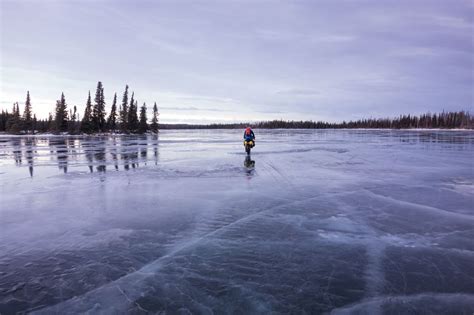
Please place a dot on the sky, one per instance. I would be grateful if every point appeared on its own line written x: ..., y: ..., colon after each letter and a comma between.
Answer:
x: 230, y: 61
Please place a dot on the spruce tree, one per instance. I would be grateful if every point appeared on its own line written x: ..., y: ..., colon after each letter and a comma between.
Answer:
x: 27, y: 114
x: 86, y: 124
x: 143, y: 126
x: 132, y: 115
x: 13, y: 124
x: 119, y: 119
x: 18, y: 116
x: 98, y: 112
x: 112, y: 120
x: 124, y: 111
x: 35, y: 124
x: 61, y: 117
x: 50, y: 122
x: 72, y: 121
x: 9, y: 120
x: 3, y: 120
x: 154, y: 120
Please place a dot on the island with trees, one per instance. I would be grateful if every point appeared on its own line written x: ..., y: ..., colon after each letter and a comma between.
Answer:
x: 127, y: 118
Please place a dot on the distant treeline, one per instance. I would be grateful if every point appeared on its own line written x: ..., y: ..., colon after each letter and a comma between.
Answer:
x: 125, y: 119
x: 445, y: 120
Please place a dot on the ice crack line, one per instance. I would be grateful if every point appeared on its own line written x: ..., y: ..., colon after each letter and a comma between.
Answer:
x: 135, y: 280
x: 421, y: 206
x: 130, y: 300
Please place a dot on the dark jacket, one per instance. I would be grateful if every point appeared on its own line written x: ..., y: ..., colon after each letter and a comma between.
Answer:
x: 249, y: 137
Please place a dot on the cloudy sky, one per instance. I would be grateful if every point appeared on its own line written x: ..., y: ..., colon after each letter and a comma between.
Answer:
x: 222, y: 61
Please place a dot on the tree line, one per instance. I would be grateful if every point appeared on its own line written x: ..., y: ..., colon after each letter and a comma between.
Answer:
x: 127, y: 118
x: 444, y: 120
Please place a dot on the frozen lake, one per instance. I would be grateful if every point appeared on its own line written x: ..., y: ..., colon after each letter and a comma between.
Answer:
x: 324, y: 221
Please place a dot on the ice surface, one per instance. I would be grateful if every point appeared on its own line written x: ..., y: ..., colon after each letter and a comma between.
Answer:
x: 367, y: 221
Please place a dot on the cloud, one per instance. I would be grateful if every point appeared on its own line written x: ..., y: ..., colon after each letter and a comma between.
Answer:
x: 298, y: 92
x: 205, y: 98
x: 416, y: 52
x: 270, y: 111
x: 333, y: 38
x: 192, y: 108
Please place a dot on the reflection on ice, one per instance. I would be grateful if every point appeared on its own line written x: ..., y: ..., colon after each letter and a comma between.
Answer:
x: 96, y: 152
x: 331, y: 221
x: 249, y: 165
